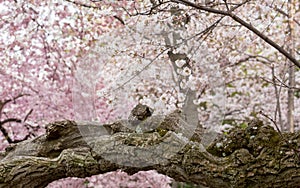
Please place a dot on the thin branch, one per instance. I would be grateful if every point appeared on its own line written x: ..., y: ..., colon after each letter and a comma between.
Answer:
x: 285, y: 14
x: 83, y: 5
x: 274, y: 122
x: 265, y: 38
x: 3, y: 130
x: 27, y: 115
x: 199, y: 7
x: 227, y: 7
x: 245, y: 24
x: 3, y: 103
x: 277, y: 94
x: 296, y: 152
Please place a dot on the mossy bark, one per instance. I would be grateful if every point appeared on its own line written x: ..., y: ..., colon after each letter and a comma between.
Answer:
x: 253, y: 157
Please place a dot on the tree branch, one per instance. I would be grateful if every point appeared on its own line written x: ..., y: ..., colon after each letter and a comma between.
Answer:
x: 245, y: 24
x: 4, y: 132
x: 241, y: 158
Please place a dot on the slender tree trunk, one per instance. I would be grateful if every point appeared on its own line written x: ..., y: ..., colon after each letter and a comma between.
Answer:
x: 278, y: 106
x: 290, y: 115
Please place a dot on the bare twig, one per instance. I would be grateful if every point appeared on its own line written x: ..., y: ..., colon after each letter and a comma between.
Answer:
x: 27, y: 115
x: 5, y: 102
x: 3, y: 130
x: 278, y: 107
x: 83, y: 5
x: 296, y: 151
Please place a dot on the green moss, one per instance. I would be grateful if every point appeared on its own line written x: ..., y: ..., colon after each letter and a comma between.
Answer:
x: 252, y: 136
x: 161, y: 132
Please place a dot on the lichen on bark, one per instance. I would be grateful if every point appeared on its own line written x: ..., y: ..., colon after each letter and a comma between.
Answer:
x: 256, y: 156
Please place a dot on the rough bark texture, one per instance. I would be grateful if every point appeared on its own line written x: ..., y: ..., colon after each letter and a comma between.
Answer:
x: 253, y: 157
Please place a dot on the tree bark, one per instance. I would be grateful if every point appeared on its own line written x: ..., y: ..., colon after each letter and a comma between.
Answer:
x: 253, y: 157
x: 292, y: 79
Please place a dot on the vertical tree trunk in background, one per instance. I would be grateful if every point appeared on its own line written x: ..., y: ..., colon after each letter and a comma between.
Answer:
x: 290, y: 115
x: 278, y: 106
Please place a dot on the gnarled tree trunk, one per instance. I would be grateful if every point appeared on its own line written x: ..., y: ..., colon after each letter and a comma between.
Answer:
x: 254, y: 157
